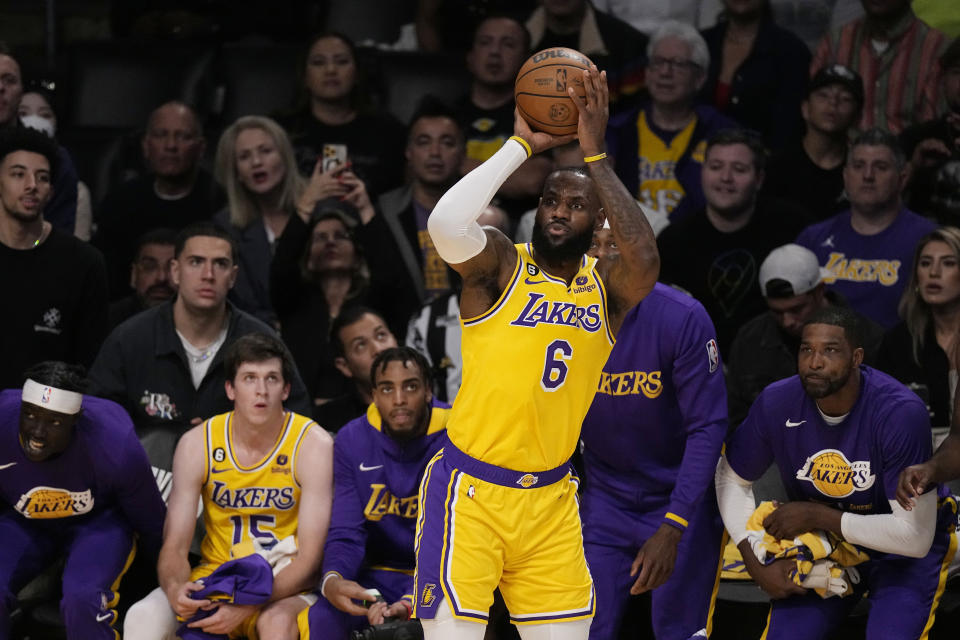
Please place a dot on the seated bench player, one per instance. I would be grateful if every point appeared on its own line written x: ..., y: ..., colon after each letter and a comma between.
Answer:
x: 841, y: 433
x: 378, y: 460
x: 74, y: 480
x: 264, y: 475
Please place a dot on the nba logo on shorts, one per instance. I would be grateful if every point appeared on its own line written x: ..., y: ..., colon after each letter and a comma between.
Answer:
x: 713, y: 354
x: 45, y: 397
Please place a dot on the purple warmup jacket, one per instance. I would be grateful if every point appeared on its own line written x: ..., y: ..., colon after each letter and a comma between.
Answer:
x: 104, y: 467
x: 654, y: 431
x: 376, y: 482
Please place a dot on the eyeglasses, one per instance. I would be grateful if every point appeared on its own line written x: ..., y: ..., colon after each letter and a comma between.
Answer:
x: 660, y: 64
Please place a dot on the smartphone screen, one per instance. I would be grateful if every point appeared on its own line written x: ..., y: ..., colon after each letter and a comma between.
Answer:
x: 334, y: 157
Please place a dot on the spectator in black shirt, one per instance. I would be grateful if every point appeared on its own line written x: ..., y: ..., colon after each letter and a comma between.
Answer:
x: 336, y: 112
x: 174, y: 192
x: 53, y: 285
x: 715, y: 253
x: 810, y: 173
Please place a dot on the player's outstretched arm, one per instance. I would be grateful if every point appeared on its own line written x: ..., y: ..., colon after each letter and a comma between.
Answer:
x: 630, y: 276
x: 173, y: 567
x: 315, y: 473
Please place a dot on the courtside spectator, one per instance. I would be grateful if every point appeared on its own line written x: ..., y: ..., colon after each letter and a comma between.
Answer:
x: 923, y: 351
x: 612, y: 44
x: 173, y: 193
x: 658, y: 148
x: 149, y: 276
x: 810, y: 172
x: 715, y: 254
x: 54, y: 284
x: 165, y: 366
x: 500, y: 46
x: 867, y: 249
x: 358, y: 336
x: 758, y: 71
x: 61, y: 210
x: 336, y: 111
x: 897, y: 56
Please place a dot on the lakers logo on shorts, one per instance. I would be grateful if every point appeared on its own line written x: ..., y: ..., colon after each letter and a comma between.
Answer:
x: 835, y: 476
x: 528, y: 480
x: 427, y: 598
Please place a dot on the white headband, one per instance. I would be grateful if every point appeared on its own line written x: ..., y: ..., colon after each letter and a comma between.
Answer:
x: 51, y: 398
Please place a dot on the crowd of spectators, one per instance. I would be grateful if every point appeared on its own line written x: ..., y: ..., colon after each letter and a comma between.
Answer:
x: 781, y: 181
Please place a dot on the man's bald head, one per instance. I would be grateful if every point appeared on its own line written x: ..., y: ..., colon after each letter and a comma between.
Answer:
x: 173, y: 142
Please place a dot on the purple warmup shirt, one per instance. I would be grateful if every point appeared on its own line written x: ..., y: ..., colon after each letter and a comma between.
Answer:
x: 104, y: 467
x: 869, y: 271
x: 853, y: 465
x: 654, y: 431
x: 376, y: 484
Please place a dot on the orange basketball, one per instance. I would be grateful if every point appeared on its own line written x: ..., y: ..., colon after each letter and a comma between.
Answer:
x: 541, y: 89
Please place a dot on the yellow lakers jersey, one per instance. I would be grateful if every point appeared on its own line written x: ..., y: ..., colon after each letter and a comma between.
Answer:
x: 240, y: 503
x: 658, y: 186
x: 531, y: 365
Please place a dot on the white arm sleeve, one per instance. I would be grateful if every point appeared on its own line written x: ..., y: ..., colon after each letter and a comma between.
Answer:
x: 735, y: 499
x: 453, y: 223
x: 906, y: 533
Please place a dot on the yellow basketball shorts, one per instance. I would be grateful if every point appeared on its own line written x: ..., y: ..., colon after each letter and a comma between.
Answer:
x: 482, y: 526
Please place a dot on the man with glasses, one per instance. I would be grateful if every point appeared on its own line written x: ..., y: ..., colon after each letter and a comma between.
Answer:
x: 149, y: 276
x: 658, y: 147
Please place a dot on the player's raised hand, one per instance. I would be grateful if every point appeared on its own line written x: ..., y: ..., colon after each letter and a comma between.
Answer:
x: 538, y: 140
x: 594, y: 110
x: 342, y: 593
x: 656, y: 559
x: 913, y: 481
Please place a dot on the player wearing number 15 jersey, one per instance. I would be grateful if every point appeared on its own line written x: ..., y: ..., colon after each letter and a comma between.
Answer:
x: 498, y: 504
x: 264, y: 475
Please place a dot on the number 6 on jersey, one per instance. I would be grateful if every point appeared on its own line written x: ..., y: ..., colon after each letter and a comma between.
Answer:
x: 555, y: 369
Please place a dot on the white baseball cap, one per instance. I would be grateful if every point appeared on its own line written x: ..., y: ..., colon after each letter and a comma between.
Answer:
x: 796, y: 265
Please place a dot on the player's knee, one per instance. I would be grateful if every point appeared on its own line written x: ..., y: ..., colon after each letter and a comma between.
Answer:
x: 445, y: 627
x: 573, y: 630
x: 150, y: 618
x: 81, y: 600
x: 277, y: 623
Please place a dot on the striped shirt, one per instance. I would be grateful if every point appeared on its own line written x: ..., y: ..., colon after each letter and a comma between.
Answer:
x: 902, y: 84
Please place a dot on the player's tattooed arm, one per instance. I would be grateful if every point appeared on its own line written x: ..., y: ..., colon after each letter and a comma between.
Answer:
x: 632, y: 274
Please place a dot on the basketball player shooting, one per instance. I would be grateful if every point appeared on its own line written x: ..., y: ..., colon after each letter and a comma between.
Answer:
x: 498, y: 504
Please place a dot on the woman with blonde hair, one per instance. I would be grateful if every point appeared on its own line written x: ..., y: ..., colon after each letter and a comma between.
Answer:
x: 923, y: 351
x: 257, y: 169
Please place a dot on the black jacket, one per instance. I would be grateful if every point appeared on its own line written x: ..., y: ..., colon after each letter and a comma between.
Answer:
x: 930, y: 378
x: 142, y: 366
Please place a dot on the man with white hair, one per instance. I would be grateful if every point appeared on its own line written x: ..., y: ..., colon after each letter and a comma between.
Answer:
x: 74, y: 480
x: 765, y: 349
x: 659, y: 146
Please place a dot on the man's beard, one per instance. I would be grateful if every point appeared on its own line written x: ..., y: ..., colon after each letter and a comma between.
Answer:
x: 571, y: 248
x: 826, y: 387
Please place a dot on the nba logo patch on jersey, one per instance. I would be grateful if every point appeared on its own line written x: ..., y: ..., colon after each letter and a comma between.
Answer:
x: 713, y: 355
x: 528, y: 480
x: 835, y: 476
